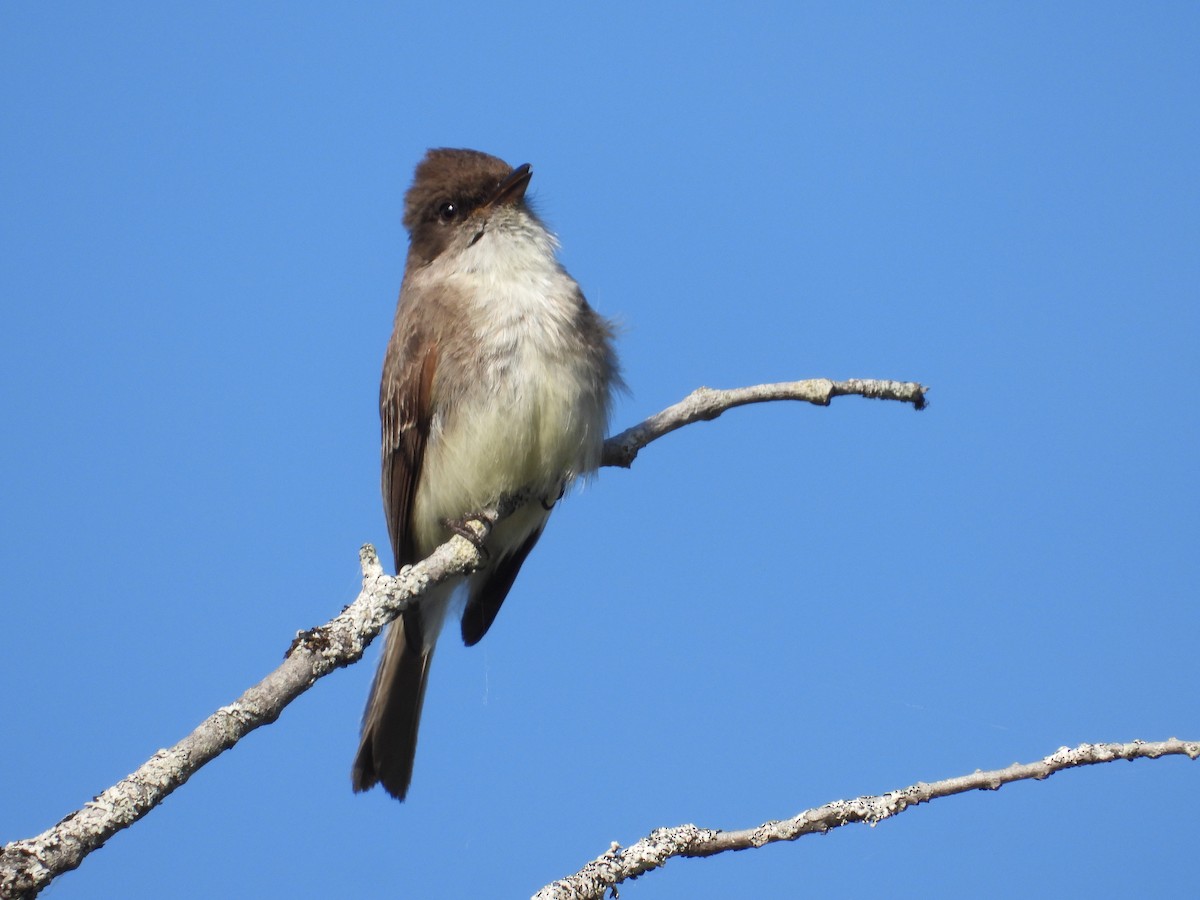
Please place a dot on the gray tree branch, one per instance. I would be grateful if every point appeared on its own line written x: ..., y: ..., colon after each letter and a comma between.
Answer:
x: 28, y: 865
x: 620, y: 864
x: 705, y: 403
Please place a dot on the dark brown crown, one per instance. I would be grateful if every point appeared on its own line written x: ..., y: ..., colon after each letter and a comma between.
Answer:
x: 463, y: 177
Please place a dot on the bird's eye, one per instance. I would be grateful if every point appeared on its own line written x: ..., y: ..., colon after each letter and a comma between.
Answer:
x: 447, y: 211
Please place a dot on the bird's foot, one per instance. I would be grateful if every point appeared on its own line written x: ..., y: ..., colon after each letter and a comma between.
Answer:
x: 468, y: 527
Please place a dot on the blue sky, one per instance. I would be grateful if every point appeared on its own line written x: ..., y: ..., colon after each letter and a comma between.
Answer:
x: 200, y: 211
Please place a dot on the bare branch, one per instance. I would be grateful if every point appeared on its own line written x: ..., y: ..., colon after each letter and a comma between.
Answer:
x: 705, y: 403
x: 28, y: 865
x: 651, y: 852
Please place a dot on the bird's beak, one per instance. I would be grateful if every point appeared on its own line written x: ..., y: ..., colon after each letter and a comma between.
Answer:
x: 512, y: 188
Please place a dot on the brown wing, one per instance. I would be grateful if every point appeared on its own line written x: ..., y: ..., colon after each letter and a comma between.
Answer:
x: 393, y: 713
x: 405, y: 410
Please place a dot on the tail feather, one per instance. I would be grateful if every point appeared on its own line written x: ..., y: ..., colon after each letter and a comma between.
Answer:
x: 393, y: 714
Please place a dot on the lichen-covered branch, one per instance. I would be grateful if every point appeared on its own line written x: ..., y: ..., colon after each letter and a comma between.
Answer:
x: 704, y: 403
x: 651, y: 852
x: 28, y: 865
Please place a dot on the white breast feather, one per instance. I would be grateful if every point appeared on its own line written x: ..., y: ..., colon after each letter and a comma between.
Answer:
x: 535, y: 421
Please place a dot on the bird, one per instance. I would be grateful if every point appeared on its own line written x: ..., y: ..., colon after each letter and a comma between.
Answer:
x: 498, y: 382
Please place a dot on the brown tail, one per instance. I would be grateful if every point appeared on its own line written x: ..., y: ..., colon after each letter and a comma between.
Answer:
x: 393, y: 714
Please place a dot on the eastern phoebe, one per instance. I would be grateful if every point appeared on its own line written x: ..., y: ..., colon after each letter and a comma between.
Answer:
x: 497, y: 383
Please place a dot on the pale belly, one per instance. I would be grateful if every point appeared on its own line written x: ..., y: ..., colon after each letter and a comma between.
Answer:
x: 528, y: 436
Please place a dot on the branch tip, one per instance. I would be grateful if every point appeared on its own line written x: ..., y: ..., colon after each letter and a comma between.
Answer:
x: 368, y: 560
